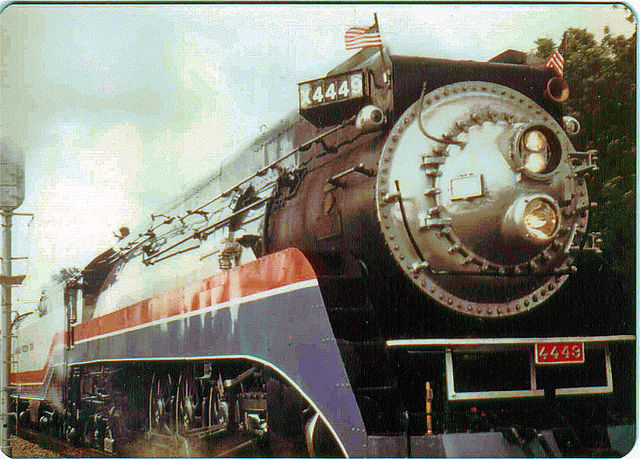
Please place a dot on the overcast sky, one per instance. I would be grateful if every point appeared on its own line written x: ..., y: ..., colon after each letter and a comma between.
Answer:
x: 118, y: 108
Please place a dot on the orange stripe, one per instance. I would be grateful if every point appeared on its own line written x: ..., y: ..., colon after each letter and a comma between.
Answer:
x: 267, y: 273
x: 38, y: 376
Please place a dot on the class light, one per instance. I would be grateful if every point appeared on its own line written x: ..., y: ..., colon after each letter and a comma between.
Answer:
x: 540, y: 219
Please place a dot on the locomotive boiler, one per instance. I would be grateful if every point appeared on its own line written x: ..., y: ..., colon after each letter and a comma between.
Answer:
x: 405, y: 270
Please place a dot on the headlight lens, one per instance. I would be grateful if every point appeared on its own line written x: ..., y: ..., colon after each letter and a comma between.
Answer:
x: 535, y: 146
x: 535, y: 141
x: 536, y: 150
x: 540, y: 218
x: 535, y: 162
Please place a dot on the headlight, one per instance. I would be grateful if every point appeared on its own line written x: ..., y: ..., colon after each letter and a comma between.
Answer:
x: 535, y: 162
x: 535, y: 141
x: 540, y: 219
x: 536, y: 150
x: 534, y: 145
x: 532, y: 219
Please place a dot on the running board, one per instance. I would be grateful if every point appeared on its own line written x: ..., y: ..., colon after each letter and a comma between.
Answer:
x: 493, y: 345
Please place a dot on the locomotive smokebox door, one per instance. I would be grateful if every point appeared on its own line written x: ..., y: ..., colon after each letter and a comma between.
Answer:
x: 475, y: 194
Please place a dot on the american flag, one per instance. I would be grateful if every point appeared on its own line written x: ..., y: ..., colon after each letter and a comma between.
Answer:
x: 556, y: 61
x: 362, y: 37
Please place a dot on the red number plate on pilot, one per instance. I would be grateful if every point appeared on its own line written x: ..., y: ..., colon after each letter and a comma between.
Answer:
x: 559, y: 353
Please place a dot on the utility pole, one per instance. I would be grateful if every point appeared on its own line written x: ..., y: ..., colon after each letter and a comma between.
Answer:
x: 11, y: 196
x: 6, y: 329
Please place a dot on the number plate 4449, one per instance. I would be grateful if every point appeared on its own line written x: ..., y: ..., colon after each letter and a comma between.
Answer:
x: 559, y: 353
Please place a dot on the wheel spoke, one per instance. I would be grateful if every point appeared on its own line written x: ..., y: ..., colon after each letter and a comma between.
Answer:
x: 188, y: 400
x: 160, y: 419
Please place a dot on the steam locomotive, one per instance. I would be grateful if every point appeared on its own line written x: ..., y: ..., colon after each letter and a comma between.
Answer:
x: 406, y: 270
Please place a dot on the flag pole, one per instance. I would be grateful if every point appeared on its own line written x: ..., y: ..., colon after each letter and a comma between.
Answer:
x: 383, y: 51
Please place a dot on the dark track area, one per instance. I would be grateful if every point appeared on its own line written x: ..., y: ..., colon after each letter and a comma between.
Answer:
x: 30, y: 443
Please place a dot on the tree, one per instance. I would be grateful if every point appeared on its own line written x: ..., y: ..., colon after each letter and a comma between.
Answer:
x: 545, y: 46
x: 58, y: 282
x: 602, y: 82
x: 65, y: 275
